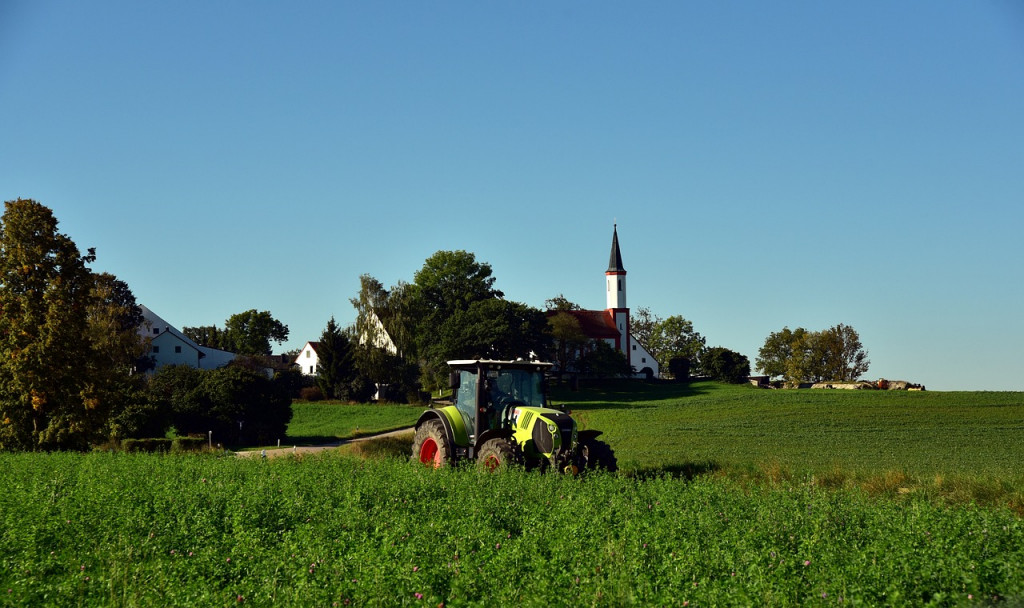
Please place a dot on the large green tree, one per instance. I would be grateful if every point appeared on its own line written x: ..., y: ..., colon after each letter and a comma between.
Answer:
x: 448, y: 283
x: 493, y: 329
x: 49, y: 397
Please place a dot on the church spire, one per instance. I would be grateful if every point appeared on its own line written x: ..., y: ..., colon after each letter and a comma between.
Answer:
x: 615, y: 260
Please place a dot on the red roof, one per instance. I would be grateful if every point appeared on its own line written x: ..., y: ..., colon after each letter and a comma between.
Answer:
x: 596, y: 324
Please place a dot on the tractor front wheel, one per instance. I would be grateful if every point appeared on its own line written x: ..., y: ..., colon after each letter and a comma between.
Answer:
x: 598, y: 455
x: 499, y: 453
x: 430, y: 446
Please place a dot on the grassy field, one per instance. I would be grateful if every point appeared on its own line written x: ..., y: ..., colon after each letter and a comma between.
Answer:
x: 315, y: 423
x: 922, y: 433
x: 730, y: 496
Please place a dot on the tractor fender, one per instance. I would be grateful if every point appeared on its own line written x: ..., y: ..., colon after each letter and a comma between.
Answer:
x: 451, y: 420
x: 587, y: 435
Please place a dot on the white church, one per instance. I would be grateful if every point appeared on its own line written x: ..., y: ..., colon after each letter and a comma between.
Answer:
x: 612, y: 324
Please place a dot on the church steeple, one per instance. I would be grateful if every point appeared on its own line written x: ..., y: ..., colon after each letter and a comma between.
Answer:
x: 615, y: 276
x: 615, y: 261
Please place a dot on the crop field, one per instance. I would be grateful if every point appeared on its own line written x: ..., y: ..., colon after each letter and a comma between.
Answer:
x: 737, y: 513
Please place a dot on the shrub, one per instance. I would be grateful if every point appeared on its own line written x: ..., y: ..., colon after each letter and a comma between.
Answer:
x: 188, y: 444
x: 311, y: 393
x: 679, y: 367
x: 151, y: 444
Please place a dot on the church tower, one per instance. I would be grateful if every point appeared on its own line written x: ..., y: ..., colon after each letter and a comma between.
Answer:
x: 615, y: 286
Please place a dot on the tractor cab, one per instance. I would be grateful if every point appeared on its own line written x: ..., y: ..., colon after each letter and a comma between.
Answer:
x: 504, y: 387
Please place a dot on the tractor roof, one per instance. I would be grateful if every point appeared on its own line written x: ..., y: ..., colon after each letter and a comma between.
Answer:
x: 492, y: 364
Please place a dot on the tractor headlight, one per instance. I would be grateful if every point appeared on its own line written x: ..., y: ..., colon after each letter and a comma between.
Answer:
x: 552, y: 428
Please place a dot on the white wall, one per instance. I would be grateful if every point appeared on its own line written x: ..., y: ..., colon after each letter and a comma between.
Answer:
x: 307, y: 360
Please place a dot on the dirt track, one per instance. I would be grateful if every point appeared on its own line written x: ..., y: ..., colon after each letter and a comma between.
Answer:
x: 312, y: 449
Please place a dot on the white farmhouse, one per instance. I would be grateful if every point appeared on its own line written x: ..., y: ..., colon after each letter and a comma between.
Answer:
x: 168, y: 346
x: 307, y: 359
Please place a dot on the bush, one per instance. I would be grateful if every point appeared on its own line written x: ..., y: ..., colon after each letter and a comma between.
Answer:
x: 311, y: 393
x: 146, y: 445
x: 679, y: 367
x: 189, y: 444
x: 725, y: 365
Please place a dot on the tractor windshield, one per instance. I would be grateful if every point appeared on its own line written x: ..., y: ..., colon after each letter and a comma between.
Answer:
x: 515, y: 386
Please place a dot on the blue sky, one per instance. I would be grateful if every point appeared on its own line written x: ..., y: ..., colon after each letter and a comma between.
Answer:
x: 768, y: 164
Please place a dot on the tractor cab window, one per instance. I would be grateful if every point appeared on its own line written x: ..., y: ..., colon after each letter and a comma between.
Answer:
x: 515, y: 386
x: 465, y: 396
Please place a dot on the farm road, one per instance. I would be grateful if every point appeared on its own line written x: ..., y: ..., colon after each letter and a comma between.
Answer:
x: 314, y: 449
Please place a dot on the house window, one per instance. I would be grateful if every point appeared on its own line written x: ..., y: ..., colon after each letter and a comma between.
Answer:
x: 643, y: 359
x: 620, y: 284
x: 156, y: 331
x: 156, y: 349
x: 307, y: 354
x: 311, y: 369
x: 177, y: 349
x: 634, y: 347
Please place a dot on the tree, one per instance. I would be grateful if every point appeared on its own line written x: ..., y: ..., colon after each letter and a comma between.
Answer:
x: 384, y: 349
x: 119, y: 356
x: 568, y: 339
x: 604, y: 361
x: 675, y: 337
x: 802, y: 356
x: 250, y: 333
x: 777, y: 358
x: 335, y: 368
x: 560, y: 303
x: 842, y: 357
x: 724, y: 365
x: 493, y: 329
x: 210, y: 336
x: 47, y: 399
x: 448, y: 283
x: 642, y: 324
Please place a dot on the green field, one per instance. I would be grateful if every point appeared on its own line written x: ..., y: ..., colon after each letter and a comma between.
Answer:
x: 767, y: 498
x: 939, y: 437
x: 314, y: 423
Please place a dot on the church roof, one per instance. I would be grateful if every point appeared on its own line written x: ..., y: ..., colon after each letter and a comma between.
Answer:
x: 595, y: 324
x: 615, y: 260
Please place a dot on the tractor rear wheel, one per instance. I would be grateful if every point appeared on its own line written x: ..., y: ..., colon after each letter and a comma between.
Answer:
x: 598, y: 455
x: 430, y: 446
x: 499, y: 453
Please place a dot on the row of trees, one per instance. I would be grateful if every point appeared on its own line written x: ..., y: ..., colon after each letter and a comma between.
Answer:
x: 798, y: 355
x: 247, y: 333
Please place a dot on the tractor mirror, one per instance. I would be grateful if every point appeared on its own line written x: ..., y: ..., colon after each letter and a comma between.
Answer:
x: 453, y: 380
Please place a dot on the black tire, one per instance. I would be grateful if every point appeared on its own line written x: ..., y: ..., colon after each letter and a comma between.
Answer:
x: 430, y: 445
x: 597, y: 456
x: 499, y: 453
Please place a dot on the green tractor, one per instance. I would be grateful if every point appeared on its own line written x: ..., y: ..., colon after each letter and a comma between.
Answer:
x: 500, y: 417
